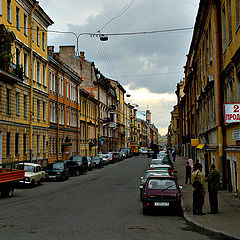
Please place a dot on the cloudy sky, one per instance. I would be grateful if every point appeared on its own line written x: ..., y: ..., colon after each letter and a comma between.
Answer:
x: 148, y: 66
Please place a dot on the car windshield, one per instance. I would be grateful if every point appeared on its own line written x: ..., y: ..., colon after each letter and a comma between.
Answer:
x: 161, y: 184
x: 27, y: 168
x: 157, y: 162
x: 58, y: 166
x: 104, y: 155
x: 96, y: 158
x: 161, y: 168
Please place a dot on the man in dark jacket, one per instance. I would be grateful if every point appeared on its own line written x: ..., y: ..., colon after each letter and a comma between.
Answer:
x: 213, y: 187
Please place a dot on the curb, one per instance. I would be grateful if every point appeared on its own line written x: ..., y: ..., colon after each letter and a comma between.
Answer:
x: 211, y: 230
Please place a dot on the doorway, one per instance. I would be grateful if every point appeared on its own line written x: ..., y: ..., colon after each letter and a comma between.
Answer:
x: 235, y: 176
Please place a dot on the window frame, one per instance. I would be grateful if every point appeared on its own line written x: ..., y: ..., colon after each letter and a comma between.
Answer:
x: 9, y: 11
x: 25, y: 24
x: 17, y: 18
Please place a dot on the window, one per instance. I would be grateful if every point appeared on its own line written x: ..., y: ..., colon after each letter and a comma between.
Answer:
x: 50, y: 145
x: 25, y: 24
x: 38, y: 35
x: 54, y: 146
x: 33, y: 108
x: 25, y: 105
x: 38, y: 144
x: 0, y: 7
x: 44, y: 144
x: 25, y: 144
x: 9, y: 11
x: 54, y: 112
x: 18, y: 60
x: 32, y: 144
x: 43, y: 41
x: 44, y: 75
x: 231, y: 91
x: 33, y: 68
x: 50, y: 112
x: 38, y: 109
x: 44, y: 109
x: 62, y: 114
x: 59, y: 86
x: 16, y: 143
x: 67, y: 89
x: 17, y: 18
x: 8, y: 144
x: 50, y: 81
x: 53, y: 82
x: 25, y: 64
x: 17, y: 103
x: 224, y: 29
x: 237, y: 5
x: 68, y: 119
x: 229, y: 21
x: 8, y: 101
x: 38, y: 72
x: 33, y: 32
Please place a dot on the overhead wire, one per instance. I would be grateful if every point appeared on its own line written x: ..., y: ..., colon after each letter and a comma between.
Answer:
x: 122, y: 11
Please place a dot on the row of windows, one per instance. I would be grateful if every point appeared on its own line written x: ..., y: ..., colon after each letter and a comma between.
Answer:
x: 53, y: 145
x: 18, y: 138
x: 25, y: 27
x: 227, y: 20
x: 71, y: 89
x: 39, y: 69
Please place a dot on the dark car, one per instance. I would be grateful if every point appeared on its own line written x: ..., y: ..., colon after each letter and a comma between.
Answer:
x: 150, y: 153
x: 82, y: 162
x: 57, y: 171
x: 97, y: 162
x: 128, y: 151
x: 161, y: 192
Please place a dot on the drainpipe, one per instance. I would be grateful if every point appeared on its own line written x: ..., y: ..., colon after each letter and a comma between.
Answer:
x: 78, y: 117
x: 219, y: 93
x: 86, y: 128
x: 30, y: 22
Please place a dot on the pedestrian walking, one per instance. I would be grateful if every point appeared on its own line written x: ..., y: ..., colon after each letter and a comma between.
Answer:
x: 198, y: 189
x: 213, y: 187
x: 188, y: 173
x: 174, y: 155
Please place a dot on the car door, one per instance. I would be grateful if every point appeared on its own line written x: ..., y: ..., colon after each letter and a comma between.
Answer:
x: 38, y: 174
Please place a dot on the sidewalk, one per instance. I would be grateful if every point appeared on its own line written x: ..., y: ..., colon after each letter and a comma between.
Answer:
x: 226, y: 222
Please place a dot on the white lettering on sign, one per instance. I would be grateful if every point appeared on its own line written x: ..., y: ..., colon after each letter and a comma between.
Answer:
x: 232, y: 113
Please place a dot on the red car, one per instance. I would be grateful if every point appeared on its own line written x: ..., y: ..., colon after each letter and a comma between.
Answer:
x: 162, y: 192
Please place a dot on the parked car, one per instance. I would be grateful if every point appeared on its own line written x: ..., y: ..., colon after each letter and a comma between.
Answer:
x: 128, y: 152
x: 74, y: 168
x: 163, y: 167
x: 123, y: 155
x: 104, y: 159
x: 33, y: 173
x: 97, y: 162
x: 117, y: 156
x: 161, y: 192
x: 90, y: 163
x: 82, y: 162
x: 111, y: 158
x: 149, y: 173
x: 143, y: 150
x: 150, y: 153
x: 161, y: 161
x: 57, y: 171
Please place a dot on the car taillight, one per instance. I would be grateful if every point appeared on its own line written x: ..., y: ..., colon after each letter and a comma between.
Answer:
x: 145, y: 195
x: 171, y: 170
x: 178, y: 196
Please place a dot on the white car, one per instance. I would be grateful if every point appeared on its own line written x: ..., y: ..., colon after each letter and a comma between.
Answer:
x: 33, y: 173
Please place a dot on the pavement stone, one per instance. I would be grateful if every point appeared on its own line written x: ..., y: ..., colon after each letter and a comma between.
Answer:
x: 226, y: 223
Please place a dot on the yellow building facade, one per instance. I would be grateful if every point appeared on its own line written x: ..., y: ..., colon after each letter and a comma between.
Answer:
x: 24, y: 123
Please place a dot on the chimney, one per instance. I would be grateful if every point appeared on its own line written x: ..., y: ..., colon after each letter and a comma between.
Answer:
x: 67, y: 51
x: 82, y: 56
x: 50, y: 50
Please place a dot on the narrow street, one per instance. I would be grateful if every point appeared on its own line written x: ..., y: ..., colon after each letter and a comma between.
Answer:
x: 103, y: 204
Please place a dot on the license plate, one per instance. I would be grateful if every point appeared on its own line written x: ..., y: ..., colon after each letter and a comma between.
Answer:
x: 161, y: 204
x: 51, y: 176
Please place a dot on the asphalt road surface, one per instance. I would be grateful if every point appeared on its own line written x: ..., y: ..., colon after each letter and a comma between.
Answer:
x: 104, y: 204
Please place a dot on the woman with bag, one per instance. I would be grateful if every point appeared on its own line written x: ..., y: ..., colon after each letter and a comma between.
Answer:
x: 198, y: 188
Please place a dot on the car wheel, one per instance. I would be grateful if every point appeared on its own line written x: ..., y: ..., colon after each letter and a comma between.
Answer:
x: 32, y: 183
x: 77, y: 173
